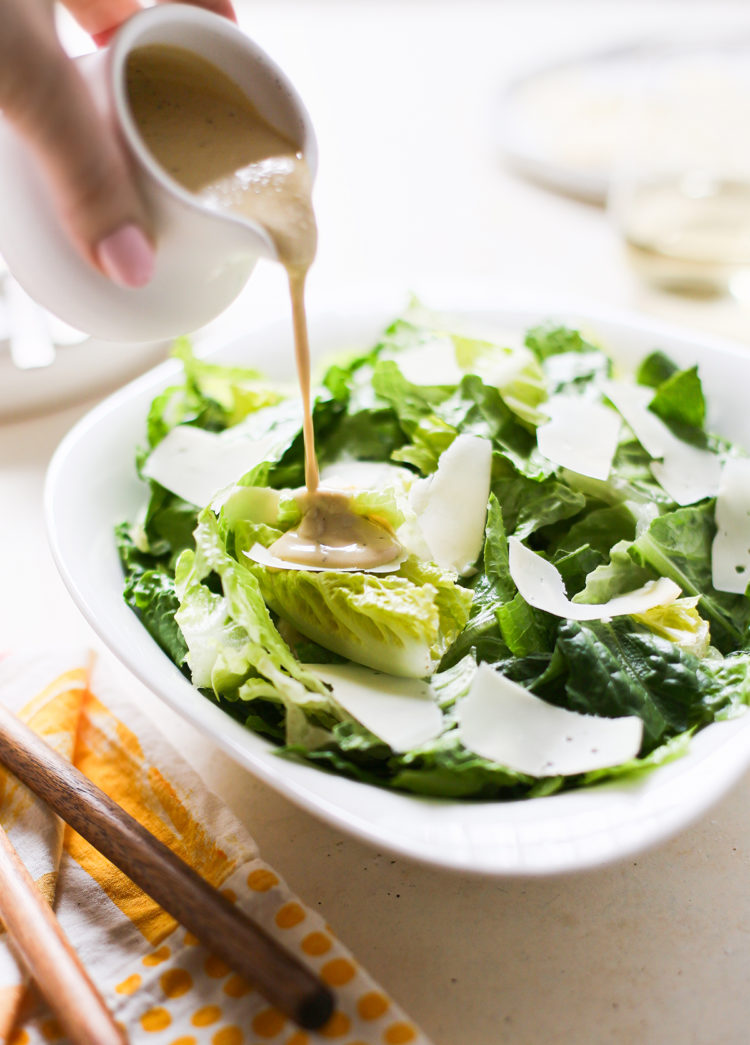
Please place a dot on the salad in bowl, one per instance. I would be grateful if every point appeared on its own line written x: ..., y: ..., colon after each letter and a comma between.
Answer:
x: 568, y: 603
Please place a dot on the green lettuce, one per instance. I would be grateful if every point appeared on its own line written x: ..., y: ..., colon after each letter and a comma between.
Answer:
x: 678, y: 545
x: 400, y: 622
x: 617, y: 668
x: 150, y: 592
x: 232, y: 643
x: 246, y: 634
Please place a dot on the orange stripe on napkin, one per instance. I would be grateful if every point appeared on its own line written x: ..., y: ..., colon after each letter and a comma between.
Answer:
x: 57, y: 707
x: 11, y: 1002
x: 109, y: 754
x: 54, y: 714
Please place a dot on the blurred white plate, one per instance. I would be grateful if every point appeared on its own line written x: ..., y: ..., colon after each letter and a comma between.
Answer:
x: 44, y: 363
x: 79, y: 371
x: 92, y: 485
x: 558, y: 124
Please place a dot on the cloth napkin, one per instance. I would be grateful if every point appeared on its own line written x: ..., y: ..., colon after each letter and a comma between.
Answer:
x: 156, y: 978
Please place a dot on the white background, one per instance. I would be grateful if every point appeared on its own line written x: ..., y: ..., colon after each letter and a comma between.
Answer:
x: 412, y: 193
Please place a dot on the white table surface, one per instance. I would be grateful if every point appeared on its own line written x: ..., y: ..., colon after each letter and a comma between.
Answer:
x: 411, y: 191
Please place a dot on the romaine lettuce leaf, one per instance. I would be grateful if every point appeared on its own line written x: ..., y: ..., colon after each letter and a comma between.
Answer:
x: 150, y: 592
x: 678, y: 545
x: 400, y: 622
x: 245, y: 632
x: 501, y: 622
x: 655, y: 368
x: 515, y: 373
x: 550, y: 340
x: 237, y: 390
x: 679, y: 400
x: 443, y: 768
x: 681, y: 623
x: 618, y: 668
x: 233, y: 643
x: 528, y: 505
x: 619, y: 575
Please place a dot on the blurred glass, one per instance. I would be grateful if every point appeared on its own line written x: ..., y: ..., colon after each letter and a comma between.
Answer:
x: 680, y: 188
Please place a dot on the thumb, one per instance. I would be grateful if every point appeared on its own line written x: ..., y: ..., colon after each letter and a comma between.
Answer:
x: 88, y: 172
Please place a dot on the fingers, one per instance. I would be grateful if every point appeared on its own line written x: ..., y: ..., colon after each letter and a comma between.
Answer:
x: 50, y: 104
x: 219, y: 7
x: 43, y: 94
x: 102, y: 18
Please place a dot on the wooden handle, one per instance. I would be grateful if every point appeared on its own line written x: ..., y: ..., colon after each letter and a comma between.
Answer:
x: 223, y: 928
x: 41, y: 945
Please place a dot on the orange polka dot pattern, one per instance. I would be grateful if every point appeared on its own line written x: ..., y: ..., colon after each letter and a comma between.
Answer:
x: 130, y: 984
x: 161, y: 984
x: 228, y: 1036
x: 337, y: 972
x: 237, y: 987
x: 192, y: 997
x: 156, y: 1019
x: 289, y: 915
x: 157, y: 957
x: 316, y: 943
x: 399, y: 1034
x: 268, y: 1023
x: 261, y: 880
x: 175, y: 983
x: 206, y: 1015
x: 51, y: 1030
x: 371, y: 1006
x: 338, y: 1025
x: 216, y: 968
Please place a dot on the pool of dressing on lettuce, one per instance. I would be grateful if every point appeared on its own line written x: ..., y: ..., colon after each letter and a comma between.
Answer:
x: 208, y: 136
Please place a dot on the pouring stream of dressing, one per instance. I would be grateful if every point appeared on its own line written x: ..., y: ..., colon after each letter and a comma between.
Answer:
x: 204, y: 131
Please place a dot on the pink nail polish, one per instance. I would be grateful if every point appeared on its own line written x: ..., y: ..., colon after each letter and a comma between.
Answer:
x: 102, y: 38
x: 127, y: 257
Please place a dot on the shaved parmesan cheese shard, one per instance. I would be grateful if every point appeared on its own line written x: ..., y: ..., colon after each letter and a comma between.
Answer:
x: 451, y: 504
x: 400, y: 711
x: 730, y: 553
x: 503, y: 722
x: 632, y: 402
x: 433, y: 363
x: 502, y: 366
x: 352, y: 476
x: 689, y: 478
x: 541, y: 585
x: 687, y: 473
x: 580, y: 435
x: 264, y: 557
x: 196, y: 464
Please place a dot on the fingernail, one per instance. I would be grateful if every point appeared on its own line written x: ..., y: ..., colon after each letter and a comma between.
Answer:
x: 127, y: 257
x: 102, y: 38
x: 226, y: 9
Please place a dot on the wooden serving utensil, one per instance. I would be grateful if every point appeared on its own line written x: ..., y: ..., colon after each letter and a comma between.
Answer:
x: 223, y: 928
x: 39, y: 942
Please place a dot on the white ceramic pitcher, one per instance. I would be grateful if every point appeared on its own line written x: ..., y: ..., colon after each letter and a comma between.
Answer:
x: 203, y: 257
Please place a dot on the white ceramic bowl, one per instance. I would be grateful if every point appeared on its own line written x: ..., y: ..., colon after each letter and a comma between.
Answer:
x: 92, y: 485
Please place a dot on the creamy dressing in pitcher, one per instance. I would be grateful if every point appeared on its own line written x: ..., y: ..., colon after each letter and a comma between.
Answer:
x: 205, y: 133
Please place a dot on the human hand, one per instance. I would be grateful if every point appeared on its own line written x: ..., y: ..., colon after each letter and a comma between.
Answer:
x: 43, y: 94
